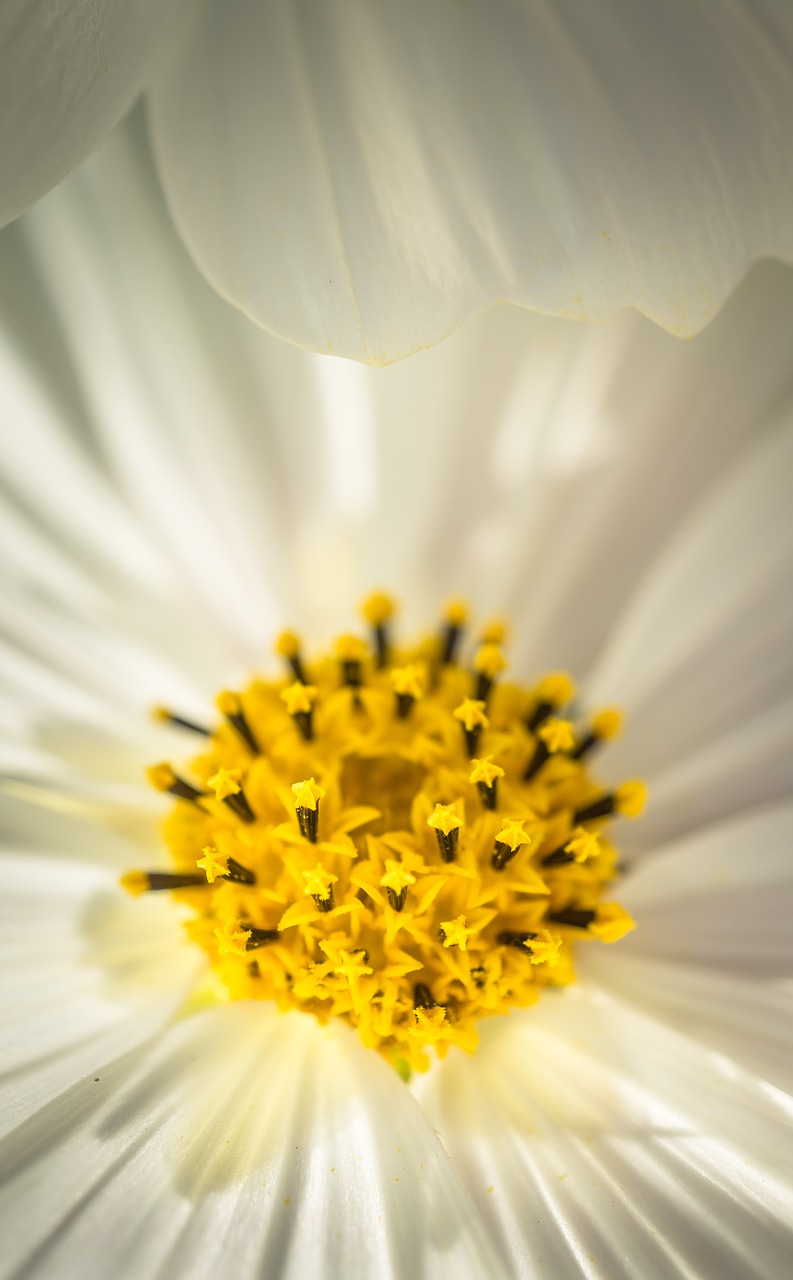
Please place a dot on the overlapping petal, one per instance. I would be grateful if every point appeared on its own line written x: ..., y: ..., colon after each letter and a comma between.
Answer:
x: 362, y: 179
x: 68, y: 73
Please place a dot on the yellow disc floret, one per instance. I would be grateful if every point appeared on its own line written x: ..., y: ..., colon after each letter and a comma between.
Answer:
x: 349, y: 846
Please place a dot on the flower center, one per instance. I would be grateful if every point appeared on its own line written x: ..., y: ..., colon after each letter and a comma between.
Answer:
x: 393, y: 838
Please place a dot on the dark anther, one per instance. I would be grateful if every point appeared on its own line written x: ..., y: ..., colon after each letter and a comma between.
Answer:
x: 324, y: 904
x: 451, y: 639
x: 586, y: 744
x: 397, y: 900
x: 308, y: 821
x: 502, y: 854
x: 576, y: 917
x: 423, y: 997
x: 541, y: 754
x: 559, y: 858
x: 404, y: 704
x: 512, y: 938
x: 261, y: 938
x: 239, y: 721
x: 598, y: 809
x: 175, y: 880
x: 305, y: 723
x: 538, y: 715
x: 488, y: 794
x: 297, y: 668
x: 238, y: 804
x: 181, y: 722
x: 381, y: 645
x: 352, y: 673
x: 237, y: 873
x: 484, y: 683
x: 479, y: 976
x: 447, y: 843
x: 472, y: 737
x: 185, y: 790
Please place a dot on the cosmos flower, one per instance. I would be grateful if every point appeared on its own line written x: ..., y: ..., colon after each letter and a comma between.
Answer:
x: 178, y: 486
x: 362, y: 178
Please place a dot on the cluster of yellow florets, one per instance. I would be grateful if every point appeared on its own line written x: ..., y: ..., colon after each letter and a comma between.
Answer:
x: 394, y: 838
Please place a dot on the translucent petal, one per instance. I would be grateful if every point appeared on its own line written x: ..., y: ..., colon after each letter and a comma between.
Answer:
x: 362, y: 179
x: 67, y: 75
x: 245, y: 1142
x: 594, y: 1139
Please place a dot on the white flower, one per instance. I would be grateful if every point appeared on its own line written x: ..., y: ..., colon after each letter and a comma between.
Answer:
x: 176, y: 486
x: 362, y: 178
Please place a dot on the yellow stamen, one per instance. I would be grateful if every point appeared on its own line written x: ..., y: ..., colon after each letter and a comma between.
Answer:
x: 307, y: 794
x: 485, y: 771
x: 377, y: 608
x: 225, y: 783
x: 457, y: 934
x: 408, y: 938
x: 319, y: 882
x: 630, y: 798
x: 583, y: 845
x: 213, y: 864
x: 299, y: 698
x: 557, y: 735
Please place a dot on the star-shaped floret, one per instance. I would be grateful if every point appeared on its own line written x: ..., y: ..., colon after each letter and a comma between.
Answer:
x: 444, y: 818
x: 457, y: 934
x: 307, y: 794
x: 226, y: 782
x: 214, y: 864
x: 232, y: 938
x: 319, y: 881
x: 471, y: 713
x: 485, y: 771
x: 558, y: 735
x: 583, y: 845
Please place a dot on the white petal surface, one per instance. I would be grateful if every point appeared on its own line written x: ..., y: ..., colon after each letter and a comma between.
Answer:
x: 87, y: 977
x: 362, y: 179
x: 68, y: 72
x: 596, y: 1141
x: 244, y: 1143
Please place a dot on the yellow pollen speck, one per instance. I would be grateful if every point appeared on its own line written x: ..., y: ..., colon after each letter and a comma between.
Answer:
x: 407, y: 681
x: 213, y: 864
x: 489, y: 660
x: 377, y: 608
x: 607, y: 724
x: 583, y: 844
x: 485, y: 771
x: 612, y: 922
x: 225, y: 783
x: 231, y: 938
x: 444, y: 818
x: 512, y: 834
x: 457, y: 934
x: 397, y: 877
x: 631, y: 798
x: 299, y: 697
x: 135, y: 882
x: 228, y: 703
x: 307, y: 794
x: 287, y: 644
x: 471, y: 713
x: 410, y: 938
x: 161, y: 776
x: 558, y: 735
x: 556, y: 688
x: 319, y: 881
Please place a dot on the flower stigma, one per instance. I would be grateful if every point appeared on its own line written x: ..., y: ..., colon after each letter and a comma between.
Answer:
x: 394, y: 837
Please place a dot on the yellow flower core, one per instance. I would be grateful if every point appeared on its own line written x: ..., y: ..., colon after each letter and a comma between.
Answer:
x: 393, y: 838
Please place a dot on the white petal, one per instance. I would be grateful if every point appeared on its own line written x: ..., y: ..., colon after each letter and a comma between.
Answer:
x: 67, y: 75
x: 362, y: 179
x: 720, y: 897
x: 88, y: 976
x: 704, y: 651
x: 597, y: 1142
x: 246, y: 1143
